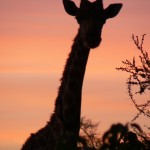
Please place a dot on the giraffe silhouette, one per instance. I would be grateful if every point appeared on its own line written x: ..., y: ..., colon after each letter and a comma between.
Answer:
x: 62, y: 131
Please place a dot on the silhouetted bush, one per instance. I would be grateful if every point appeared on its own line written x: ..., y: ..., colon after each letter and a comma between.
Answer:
x: 118, y: 137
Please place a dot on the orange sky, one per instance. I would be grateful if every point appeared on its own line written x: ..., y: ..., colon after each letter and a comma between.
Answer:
x: 35, y: 39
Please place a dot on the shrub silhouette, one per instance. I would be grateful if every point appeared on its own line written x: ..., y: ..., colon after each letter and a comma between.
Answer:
x: 118, y: 137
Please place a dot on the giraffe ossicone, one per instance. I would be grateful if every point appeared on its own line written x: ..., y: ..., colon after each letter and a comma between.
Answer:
x: 62, y: 131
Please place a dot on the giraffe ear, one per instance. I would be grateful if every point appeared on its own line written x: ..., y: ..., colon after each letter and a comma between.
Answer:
x: 70, y: 7
x: 112, y: 10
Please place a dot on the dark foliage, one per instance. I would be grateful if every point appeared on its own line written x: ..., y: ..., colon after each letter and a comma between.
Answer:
x: 118, y: 137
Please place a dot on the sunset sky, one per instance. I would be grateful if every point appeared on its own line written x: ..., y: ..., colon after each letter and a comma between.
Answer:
x: 35, y: 39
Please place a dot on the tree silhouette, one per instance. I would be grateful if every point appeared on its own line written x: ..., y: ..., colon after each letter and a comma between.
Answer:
x: 89, y: 135
x: 139, y: 76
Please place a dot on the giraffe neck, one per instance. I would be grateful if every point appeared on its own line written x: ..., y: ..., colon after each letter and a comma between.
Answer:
x: 68, y: 102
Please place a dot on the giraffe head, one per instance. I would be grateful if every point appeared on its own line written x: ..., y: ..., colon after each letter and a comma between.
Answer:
x: 91, y: 16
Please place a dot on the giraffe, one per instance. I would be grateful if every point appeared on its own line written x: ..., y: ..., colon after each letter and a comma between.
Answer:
x: 62, y: 131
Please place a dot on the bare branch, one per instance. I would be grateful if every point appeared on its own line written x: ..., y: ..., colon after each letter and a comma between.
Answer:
x: 139, y: 76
